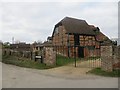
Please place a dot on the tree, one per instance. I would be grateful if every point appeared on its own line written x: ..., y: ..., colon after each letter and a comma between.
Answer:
x: 37, y: 42
x: 6, y: 45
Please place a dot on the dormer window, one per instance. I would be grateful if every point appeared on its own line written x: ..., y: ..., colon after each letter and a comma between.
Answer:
x: 96, y: 30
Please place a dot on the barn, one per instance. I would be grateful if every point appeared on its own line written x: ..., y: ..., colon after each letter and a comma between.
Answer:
x: 75, y: 37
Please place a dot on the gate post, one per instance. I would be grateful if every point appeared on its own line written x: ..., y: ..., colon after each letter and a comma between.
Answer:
x: 49, y: 56
x: 107, y: 58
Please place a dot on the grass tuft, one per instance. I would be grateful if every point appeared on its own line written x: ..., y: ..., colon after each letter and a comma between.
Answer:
x: 99, y: 71
x: 62, y: 60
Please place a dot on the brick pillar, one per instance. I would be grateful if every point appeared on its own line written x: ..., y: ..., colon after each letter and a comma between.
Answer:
x: 50, y: 56
x: 107, y: 58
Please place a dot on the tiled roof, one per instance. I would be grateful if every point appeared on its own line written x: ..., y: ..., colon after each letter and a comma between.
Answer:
x: 76, y: 26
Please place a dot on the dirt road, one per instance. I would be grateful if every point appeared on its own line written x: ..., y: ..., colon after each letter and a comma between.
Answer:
x: 62, y: 77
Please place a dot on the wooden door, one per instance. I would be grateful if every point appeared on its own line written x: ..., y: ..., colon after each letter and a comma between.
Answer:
x: 81, y: 52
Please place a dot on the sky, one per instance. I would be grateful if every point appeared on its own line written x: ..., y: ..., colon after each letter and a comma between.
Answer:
x: 31, y: 21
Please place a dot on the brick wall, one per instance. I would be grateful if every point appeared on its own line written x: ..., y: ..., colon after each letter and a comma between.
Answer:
x: 61, y: 40
x: 116, y: 57
x: 26, y: 54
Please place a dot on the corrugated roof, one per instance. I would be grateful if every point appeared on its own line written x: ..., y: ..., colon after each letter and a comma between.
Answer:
x: 76, y: 26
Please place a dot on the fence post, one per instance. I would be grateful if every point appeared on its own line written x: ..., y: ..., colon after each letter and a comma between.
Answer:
x: 75, y: 54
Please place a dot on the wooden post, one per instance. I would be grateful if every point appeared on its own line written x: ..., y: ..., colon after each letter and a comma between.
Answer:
x: 68, y: 44
x: 75, y: 54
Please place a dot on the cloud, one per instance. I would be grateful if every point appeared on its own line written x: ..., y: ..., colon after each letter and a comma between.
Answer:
x: 30, y: 21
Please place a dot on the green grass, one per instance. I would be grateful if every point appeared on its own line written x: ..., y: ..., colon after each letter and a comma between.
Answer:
x: 62, y: 60
x: 23, y: 62
x: 98, y: 71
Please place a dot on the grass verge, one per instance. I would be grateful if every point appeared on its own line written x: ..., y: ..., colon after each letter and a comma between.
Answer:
x: 23, y: 62
x: 98, y: 71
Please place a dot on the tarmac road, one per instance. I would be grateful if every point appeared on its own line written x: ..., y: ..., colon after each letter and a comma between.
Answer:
x: 19, y: 77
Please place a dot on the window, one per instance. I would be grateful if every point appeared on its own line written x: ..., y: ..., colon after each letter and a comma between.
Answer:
x: 36, y: 48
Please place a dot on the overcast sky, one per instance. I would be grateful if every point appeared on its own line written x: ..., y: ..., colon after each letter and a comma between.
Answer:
x: 33, y: 21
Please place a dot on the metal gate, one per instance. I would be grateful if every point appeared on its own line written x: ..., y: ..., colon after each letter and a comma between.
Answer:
x: 92, y: 60
x: 79, y: 59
